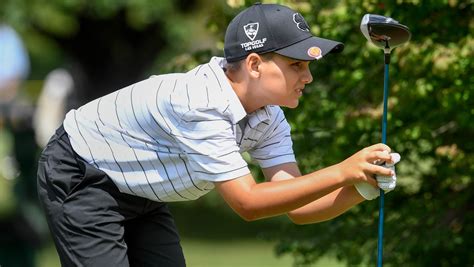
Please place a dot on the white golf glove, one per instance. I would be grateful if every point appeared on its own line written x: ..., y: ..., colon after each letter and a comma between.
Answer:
x: 386, y: 183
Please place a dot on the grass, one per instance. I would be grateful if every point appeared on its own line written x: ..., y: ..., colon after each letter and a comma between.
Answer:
x: 232, y: 253
x: 6, y: 177
x: 212, y: 253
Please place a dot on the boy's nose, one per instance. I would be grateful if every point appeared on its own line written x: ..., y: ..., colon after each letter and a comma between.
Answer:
x: 307, y: 76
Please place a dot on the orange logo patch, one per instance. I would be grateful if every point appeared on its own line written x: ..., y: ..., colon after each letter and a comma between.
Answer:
x: 315, y: 52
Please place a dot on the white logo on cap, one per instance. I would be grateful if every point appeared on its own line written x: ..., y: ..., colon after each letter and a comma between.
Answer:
x: 300, y: 22
x: 251, y: 30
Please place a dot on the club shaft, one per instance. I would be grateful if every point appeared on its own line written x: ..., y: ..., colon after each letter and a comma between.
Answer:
x: 384, y: 140
x: 381, y: 220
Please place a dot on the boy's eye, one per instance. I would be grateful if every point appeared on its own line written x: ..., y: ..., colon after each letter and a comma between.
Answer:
x: 297, y: 64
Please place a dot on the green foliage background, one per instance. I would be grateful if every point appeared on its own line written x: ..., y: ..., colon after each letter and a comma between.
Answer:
x: 430, y: 216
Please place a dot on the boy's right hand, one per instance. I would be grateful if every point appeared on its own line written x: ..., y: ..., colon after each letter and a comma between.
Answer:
x: 364, y: 166
x: 386, y: 183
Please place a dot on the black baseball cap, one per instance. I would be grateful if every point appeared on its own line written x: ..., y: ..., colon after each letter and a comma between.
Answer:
x: 264, y: 28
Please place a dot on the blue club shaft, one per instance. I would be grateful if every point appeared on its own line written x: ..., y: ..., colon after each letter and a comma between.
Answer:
x: 384, y: 141
x: 385, y: 105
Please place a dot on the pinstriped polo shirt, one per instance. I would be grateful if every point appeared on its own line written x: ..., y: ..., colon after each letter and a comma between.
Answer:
x: 168, y: 138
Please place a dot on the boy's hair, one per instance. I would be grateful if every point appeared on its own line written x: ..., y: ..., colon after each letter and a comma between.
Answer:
x: 236, y: 65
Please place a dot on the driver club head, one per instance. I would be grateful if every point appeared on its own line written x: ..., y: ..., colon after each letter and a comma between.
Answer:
x: 384, y: 32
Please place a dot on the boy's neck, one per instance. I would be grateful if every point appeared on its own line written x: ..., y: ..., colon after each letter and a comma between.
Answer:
x: 243, y: 90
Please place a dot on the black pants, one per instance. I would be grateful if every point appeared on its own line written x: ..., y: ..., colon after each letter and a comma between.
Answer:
x: 93, y: 223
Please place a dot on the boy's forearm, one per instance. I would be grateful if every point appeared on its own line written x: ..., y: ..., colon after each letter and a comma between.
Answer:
x: 254, y: 201
x: 327, y: 207
x: 279, y: 197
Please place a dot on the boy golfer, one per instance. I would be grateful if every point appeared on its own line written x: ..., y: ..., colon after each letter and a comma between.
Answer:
x: 106, y: 175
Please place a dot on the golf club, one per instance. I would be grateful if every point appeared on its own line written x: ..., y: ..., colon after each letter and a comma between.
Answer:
x: 385, y: 33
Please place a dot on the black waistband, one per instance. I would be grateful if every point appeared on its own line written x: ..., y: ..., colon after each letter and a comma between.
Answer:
x: 60, y: 131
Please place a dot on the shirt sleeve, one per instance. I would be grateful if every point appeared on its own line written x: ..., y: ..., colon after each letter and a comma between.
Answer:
x: 207, y: 137
x: 276, y: 147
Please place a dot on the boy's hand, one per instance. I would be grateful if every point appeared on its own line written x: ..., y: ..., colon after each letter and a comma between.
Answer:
x: 363, y: 167
x: 386, y: 183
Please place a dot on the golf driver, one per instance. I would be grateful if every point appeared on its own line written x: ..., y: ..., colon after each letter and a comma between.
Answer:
x: 387, y: 34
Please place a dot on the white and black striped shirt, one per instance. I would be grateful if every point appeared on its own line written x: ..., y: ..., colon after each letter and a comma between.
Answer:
x: 168, y: 138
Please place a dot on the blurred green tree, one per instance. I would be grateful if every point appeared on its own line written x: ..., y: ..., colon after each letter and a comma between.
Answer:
x: 430, y: 217
x: 105, y: 44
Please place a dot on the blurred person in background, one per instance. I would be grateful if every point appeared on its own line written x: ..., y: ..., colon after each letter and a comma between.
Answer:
x: 21, y: 225
x: 52, y: 104
x: 14, y: 68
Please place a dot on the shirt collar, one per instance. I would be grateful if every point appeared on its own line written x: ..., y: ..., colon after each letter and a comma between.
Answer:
x: 260, y: 115
x: 237, y: 111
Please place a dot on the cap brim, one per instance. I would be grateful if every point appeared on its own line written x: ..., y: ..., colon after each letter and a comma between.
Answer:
x: 311, y: 48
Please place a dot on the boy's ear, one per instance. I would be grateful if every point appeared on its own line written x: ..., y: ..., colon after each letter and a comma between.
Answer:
x: 253, y: 64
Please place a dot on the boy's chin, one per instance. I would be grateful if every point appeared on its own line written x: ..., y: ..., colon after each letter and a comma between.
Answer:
x: 291, y: 105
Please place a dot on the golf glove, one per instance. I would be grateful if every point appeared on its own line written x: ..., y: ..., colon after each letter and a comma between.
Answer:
x: 386, y: 183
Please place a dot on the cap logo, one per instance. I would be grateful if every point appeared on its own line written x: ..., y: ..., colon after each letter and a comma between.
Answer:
x: 315, y: 52
x: 251, y: 30
x: 300, y: 22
